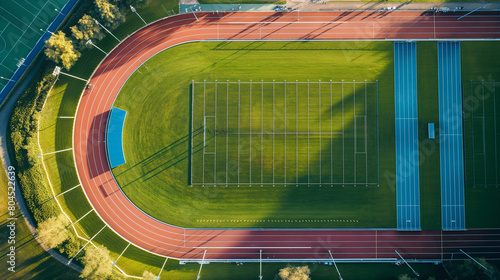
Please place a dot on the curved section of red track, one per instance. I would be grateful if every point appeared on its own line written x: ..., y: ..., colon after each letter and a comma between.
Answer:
x: 138, y: 228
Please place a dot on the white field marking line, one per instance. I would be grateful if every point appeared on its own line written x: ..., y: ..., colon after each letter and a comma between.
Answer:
x: 65, y: 117
x: 215, y: 137
x: 495, y: 130
x: 308, y: 135
x: 27, y: 2
x: 9, y: 22
x: 274, y: 124
x: 114, y: 263
x: 250, y: 146
x: 56, y: 152
x: 192, y: 127
x: 484, y: 136
x: 24, y: 31
x: 343, y: 139
x: 472, y: 124
x: 27, y: 25
x: 162, y: 267
x: 366, y: 152
x: 331, y: 132
x: 239, y: 112
x: 29, y: 10
x: 73, y: 223
x: 366, y: 137
x: 6, y: 26
x: 227, y: 129
x: 67, y: 190
x: 320, y: 128
x: 355, y: 140
x: 288, y: 133
x: 204, y: 115
x: 296, y: 133
x: 6, y: 67
x: 285, y: 128
x: 262, y: 132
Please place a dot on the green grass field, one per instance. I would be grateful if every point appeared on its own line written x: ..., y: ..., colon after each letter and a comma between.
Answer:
x: 284, y: 134
x: 481, y: 132
x: 428, y: 111
x: 158, y: 154
x: 32, y: 262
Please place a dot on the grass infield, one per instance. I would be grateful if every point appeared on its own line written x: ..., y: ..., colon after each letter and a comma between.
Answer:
x: 481, y: 109
x: 156, y: 175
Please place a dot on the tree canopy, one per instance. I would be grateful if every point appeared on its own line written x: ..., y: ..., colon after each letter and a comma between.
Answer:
x: 295, y: 273
x: 54, y: 231
x: 146, y: 275
x: 108, y: 14
x: 86, y: 29
x: 60, y: 49
x: 97, y: 263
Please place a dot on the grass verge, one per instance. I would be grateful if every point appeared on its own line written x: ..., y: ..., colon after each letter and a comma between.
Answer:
x: 32, y: 262
x: 428, y: 112
x: 482, y: 153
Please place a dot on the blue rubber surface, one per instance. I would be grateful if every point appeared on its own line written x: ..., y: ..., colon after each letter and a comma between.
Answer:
x: 114, y: 139
x: 450, y: 134
x: 431, y: 132
x: 37, y: 47
x: 407, y: 173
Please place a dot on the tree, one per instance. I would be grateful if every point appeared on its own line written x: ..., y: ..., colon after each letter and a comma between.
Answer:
x: 146, y: 275
x: 108, y: 14
x: 60, y: 49
x: 85, y: 30
x: 97, y: 263
x: 471, y: 270
x: 295, y: 273
x: 54, y: 231
x: 406, y: 277
x: 137, y: 3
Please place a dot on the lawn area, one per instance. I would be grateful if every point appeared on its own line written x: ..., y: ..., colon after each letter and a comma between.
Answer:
x: 481, y: 132
x: 155, y: 176
x: 32, y: 262
x: 428, y: 112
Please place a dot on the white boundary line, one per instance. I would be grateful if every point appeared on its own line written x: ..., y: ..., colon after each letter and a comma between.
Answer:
x: 308, y: 134
x: 262, y: 132
x: 355, y: 134
x: 227, y: 130
x: 284, y: 83
x: 331, y: 132
x: 250, y: 136
x: 343, y: 136
x: 296, y: 135
x: 274, y: 125
x: 215, y: 133
x: 320, y: 129
x: 495, y: 130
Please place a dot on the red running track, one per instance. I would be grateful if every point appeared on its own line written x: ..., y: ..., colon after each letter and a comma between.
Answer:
x: 132, y: 224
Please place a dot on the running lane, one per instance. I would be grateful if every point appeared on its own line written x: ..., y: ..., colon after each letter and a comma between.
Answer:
x: 143, y: 231
x: 451, y: 138
x: 407, y: 162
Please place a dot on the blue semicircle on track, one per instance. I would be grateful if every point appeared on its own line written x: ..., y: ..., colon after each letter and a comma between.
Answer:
x: 114, y: 139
